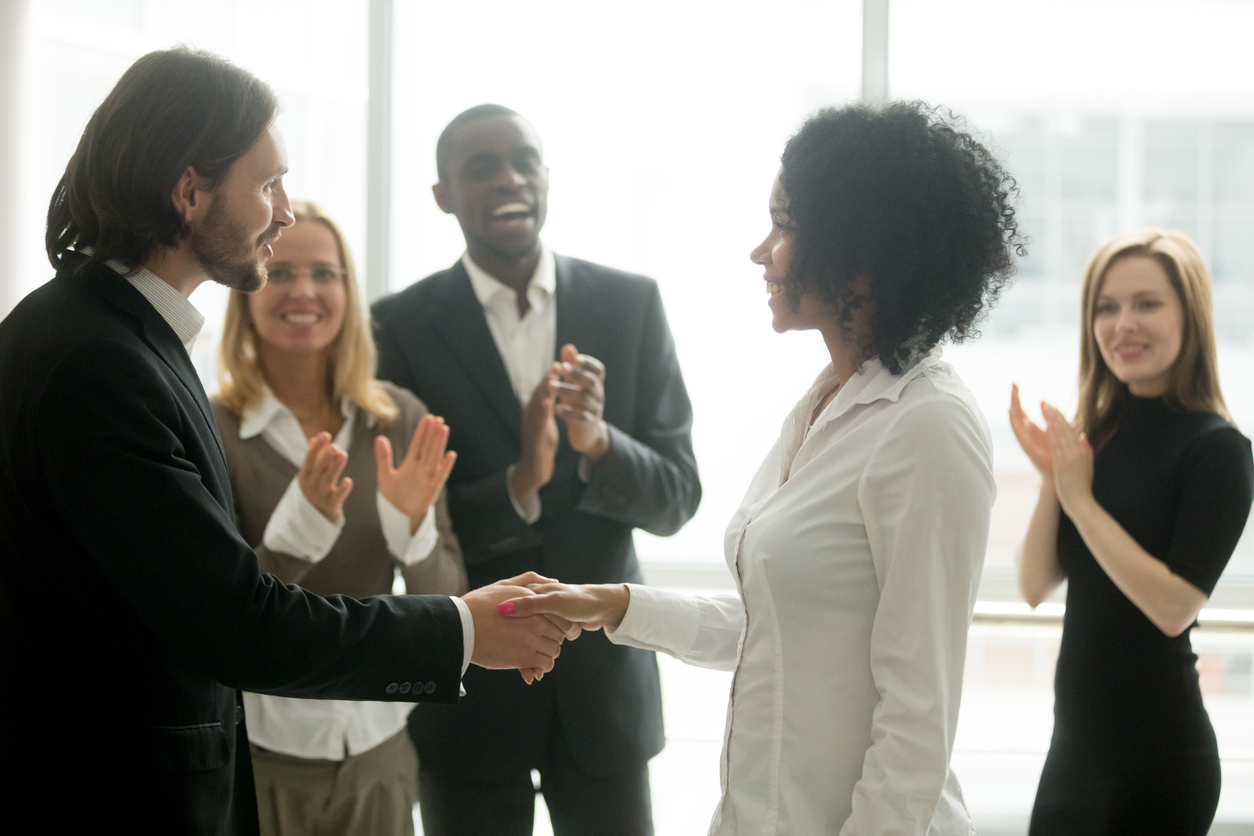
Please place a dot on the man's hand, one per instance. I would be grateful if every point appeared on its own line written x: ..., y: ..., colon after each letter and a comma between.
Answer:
x: 528, y: 644
x: 319, y: 477
x: 534, y: 468
x: 581, y: 402
x: 414, y: 485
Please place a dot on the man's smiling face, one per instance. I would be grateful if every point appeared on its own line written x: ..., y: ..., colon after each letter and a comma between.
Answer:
x: 497, y: 186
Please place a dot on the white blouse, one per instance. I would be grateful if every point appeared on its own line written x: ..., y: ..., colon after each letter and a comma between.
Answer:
x: 323, y: 729
x: 857, y: 553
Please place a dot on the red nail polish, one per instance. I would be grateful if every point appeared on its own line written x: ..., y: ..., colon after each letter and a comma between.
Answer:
x: 507, y: 608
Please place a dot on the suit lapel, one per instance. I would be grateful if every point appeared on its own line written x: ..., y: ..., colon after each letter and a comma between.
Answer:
x: 576, y: 324
x: 464, y: 328
x: 160, y: 337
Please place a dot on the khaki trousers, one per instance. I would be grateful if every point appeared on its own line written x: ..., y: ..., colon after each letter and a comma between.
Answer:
x: 371, y: 794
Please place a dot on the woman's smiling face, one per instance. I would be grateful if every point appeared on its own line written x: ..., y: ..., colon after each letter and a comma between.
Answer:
x: 775, y: 255
x: 1138, y: 323
x: 301, y: 308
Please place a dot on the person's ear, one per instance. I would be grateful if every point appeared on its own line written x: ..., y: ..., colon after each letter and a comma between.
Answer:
x: 442, y: 198
x: 190, y: 196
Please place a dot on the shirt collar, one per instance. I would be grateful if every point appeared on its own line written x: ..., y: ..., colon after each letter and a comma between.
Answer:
x: 880, y: 383
x: 261, y: 414
x: 870, y: 383
x: 542, y: 285
x: 180, y: 314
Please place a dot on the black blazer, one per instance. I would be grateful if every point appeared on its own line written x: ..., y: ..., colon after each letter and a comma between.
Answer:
x: 433, y: 339
x: 130, y: 609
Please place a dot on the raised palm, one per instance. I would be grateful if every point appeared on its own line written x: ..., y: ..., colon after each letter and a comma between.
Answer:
x: 1032, y: 438
x: 414, y: 485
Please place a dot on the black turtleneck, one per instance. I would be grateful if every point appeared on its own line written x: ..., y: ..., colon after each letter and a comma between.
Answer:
x: 1181, y: 485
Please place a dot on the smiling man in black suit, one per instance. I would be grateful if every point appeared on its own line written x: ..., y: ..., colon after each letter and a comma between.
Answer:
x: 507, y: 341
x: 130, y: 607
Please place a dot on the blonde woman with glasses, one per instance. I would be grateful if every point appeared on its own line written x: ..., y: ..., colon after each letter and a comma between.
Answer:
x: 1144, y: 496
x: 338, y: 482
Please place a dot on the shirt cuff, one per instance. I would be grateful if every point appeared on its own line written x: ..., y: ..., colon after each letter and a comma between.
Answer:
x: 585, y: 470
x: 408, y: 549
x: 298, y: 528
x: 530, y: 510
x: 657, y: 620
x: 468, y: 635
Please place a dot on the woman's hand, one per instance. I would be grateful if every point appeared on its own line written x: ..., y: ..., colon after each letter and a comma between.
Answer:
x: 1033, y: 439
x: 588, y: 606
x: 483, y: 603
x: 319, y: 477
x: 1072, y: 459
x: 414, y: 485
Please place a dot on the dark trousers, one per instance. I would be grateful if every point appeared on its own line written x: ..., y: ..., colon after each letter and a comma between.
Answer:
x: 579, y: 804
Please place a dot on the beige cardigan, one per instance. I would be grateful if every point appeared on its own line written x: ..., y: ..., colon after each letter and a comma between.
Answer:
x: 359, y: 564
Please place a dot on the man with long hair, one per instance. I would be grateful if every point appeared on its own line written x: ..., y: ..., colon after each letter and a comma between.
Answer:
x: 131, y: 610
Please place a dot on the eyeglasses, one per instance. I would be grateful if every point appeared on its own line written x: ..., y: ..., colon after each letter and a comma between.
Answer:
x: 283, y: 272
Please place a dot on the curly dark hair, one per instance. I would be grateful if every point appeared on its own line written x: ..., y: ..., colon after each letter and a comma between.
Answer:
x: 902, y: 195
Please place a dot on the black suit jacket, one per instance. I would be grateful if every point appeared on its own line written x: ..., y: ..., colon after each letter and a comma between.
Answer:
x: 433, y: 339
x: 130, y: 608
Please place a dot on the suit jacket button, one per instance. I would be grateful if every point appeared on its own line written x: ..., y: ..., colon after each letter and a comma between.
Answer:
x: 405, y: 686
x: 429, y: 688
x: 391, y: 689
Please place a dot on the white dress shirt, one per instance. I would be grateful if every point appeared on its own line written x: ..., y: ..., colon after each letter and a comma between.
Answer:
x: 175, y: 308
x: 527, y: 344
x: 324, y: 729
x: 296, y: 527
x: 857, y: 553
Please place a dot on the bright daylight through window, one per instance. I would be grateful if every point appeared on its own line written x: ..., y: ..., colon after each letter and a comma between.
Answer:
x: 663, y: 122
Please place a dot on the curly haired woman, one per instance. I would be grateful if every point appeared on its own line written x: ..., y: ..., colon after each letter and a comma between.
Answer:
x: 858, y: 547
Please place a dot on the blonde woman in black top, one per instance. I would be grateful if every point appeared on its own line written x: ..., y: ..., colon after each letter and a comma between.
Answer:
x: 1143, y: 499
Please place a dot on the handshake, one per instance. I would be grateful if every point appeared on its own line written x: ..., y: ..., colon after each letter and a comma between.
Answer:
x: 521, y: 622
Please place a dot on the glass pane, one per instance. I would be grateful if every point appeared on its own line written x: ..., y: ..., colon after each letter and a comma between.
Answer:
x: 662, y: 125
x: 80, y: 50
x: 1110, y: 139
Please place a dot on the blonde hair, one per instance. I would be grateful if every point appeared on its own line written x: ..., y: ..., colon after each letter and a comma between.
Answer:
x: 1193, y: 381
x: 241, y: 381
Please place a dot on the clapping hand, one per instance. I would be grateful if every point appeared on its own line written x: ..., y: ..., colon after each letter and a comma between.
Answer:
x: 414, y: 485
x: 581, y: 403
x: 1072, y: 458
x: 319, y: 477
x: 1033, y: 439
x: 534, y: 468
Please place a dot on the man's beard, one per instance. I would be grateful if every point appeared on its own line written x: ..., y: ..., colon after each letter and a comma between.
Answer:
x: 223, y: 250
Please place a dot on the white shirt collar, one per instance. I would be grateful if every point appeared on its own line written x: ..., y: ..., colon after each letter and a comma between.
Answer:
x: 260, y: 415
x: 542, y: 285
x: 870, y: 383
x: 180, y: 314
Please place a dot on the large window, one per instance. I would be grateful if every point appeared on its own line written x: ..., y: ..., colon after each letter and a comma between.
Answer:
x: 1111, y: 115
x: 663, y: 123
x: 313, y: 52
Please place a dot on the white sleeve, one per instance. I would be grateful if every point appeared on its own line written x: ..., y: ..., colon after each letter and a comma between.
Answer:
x: 698, y: 630
x: 297, y: 528
x: 408, y: 549
x: 530, y: 510
x: 925, y: 496
x: 468, y: 635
